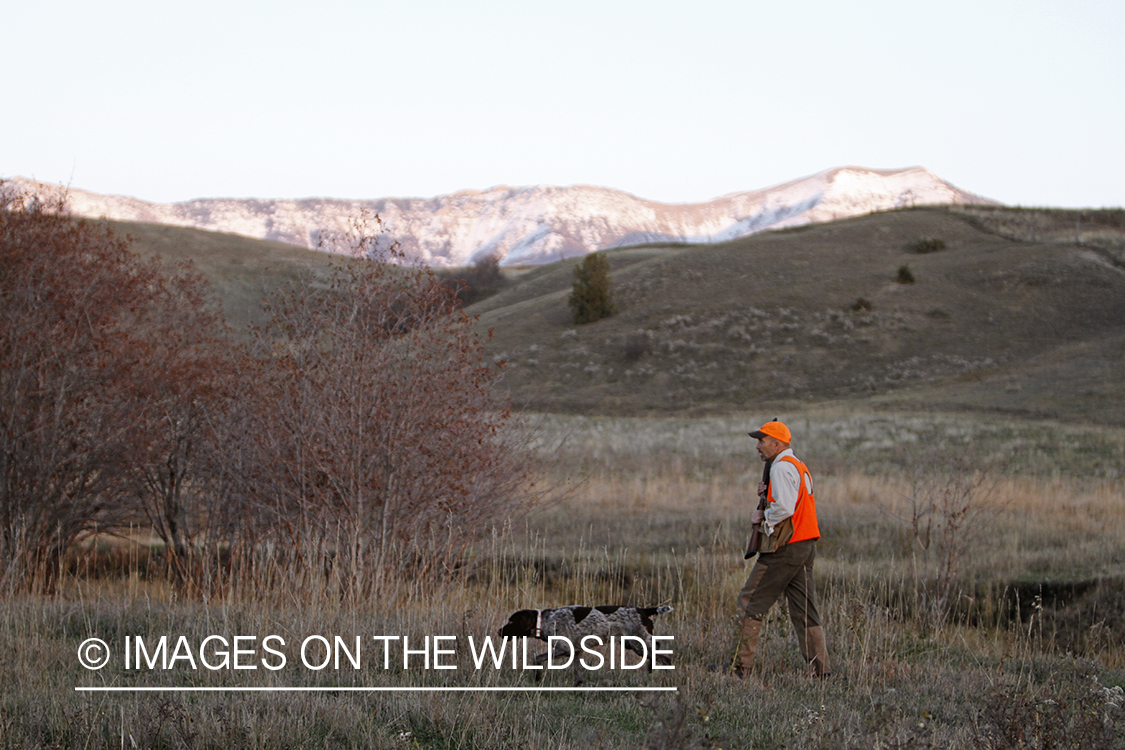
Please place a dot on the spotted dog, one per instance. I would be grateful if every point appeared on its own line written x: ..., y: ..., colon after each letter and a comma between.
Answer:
x: 575, y: 623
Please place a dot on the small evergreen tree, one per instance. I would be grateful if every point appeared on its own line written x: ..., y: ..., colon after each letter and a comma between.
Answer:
x: 591, y: 296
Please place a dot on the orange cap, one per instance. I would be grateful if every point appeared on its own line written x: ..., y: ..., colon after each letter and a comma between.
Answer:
x: 774, y: 429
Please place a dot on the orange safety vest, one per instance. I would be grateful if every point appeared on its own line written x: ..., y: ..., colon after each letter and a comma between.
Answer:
x: 804, y: 517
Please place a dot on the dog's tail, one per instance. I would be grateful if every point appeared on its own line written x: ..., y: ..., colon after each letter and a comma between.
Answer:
x: 661, y: 610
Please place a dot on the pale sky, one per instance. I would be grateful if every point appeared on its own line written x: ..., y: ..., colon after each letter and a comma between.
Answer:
x: 1022, y: 101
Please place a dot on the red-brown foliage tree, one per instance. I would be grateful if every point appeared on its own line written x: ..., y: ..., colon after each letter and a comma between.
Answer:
x: 359, y: 437
x: 93, y: 351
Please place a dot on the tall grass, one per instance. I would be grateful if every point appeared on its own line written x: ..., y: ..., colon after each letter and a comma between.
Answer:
x: 656, y: 512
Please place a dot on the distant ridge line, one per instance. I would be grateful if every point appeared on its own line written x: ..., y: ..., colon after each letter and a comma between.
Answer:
x: 536, y: 224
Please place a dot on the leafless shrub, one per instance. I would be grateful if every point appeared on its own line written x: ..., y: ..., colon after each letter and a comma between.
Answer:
x: 946, y: 514
x: 479, y: 281
x: 382, y: 450
x: 924, y: 245
x: 636, y: 344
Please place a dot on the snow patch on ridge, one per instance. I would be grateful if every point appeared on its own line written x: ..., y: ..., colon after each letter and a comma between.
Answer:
x: 529, y: 225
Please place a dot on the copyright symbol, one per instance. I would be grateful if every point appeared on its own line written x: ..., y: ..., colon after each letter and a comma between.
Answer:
x: 93, y: 653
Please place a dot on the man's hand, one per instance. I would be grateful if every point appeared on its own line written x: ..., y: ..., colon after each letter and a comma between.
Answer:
x: 757, y: 516
x: 762, y: 487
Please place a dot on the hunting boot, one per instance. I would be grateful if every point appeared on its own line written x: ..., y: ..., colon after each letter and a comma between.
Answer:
x: 815, y: 651
x: 747, y: 645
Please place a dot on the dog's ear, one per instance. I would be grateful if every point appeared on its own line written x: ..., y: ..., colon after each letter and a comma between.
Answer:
x: 646, y: 614
x: 520, y: 625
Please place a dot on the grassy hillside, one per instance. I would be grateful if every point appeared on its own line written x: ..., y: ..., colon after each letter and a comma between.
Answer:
x: 242, y: 271
x: 818, y: 313
x: 1012, y: 316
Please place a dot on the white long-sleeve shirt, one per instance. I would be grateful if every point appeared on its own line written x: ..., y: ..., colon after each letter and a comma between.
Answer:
x: 785, y: 481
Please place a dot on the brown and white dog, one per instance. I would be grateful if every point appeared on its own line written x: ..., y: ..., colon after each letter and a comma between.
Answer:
x: 575, y: 623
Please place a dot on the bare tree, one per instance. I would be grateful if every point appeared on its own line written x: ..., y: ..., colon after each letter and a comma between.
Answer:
x: 387, y: 444
x: 177, y: 480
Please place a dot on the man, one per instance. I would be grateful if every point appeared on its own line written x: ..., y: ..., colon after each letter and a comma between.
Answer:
x: 785, y: 560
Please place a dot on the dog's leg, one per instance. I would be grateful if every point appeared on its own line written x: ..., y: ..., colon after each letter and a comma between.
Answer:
x: 560, y: 650
x: 639, y: 651
x: 662, y: 659
x: 578, y: 673
x: 540, y: 659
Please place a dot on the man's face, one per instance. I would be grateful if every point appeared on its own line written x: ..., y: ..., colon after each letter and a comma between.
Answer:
x: 769, y: 447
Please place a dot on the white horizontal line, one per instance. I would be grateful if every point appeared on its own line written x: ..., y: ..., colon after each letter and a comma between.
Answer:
x: 353, y: 689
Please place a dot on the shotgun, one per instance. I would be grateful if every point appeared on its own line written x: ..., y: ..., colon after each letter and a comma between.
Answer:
x: 756, y: 531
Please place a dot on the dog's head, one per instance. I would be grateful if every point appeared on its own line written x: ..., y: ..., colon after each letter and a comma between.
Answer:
x: 521, y: 624
x: 647, y: 613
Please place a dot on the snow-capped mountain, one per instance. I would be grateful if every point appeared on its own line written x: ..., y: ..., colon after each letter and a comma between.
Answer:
x: 530, y: 225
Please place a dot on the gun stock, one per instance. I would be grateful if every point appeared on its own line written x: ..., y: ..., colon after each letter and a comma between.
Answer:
x: 756, y: 531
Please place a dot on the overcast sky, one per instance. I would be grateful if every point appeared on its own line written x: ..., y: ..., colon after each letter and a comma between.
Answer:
x: 1020, y: 101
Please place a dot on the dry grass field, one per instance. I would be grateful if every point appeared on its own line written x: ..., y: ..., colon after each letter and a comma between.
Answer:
x: 1017, y: 643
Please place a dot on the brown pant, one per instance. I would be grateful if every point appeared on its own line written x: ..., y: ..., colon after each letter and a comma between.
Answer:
x: 788, y: 571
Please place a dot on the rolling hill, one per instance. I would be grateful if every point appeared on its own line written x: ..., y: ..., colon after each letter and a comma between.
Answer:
x: 243, y: 272
x: 817, y: 313
x: 1012, y: 316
